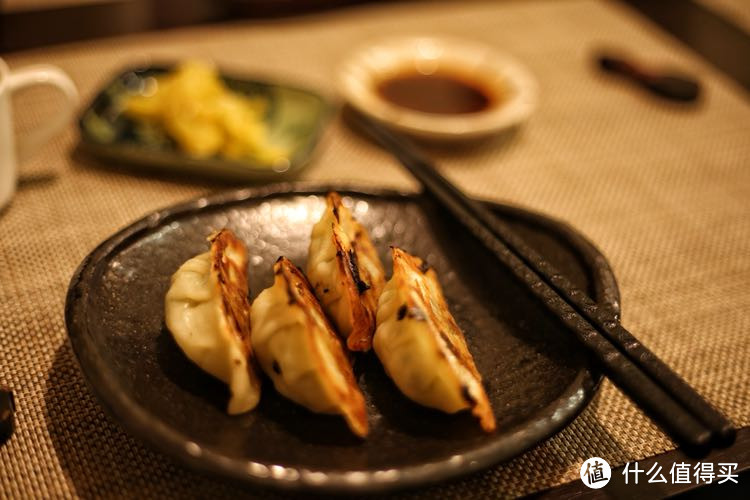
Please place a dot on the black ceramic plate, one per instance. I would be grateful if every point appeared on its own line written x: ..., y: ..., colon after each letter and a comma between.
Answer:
x: 536, y: 376
x: 294, y: 118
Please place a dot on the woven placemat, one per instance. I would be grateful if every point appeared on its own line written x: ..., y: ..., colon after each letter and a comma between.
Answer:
x: 662, y: 190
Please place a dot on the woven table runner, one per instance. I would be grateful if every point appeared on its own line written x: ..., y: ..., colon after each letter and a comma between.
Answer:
x: 663, y: 191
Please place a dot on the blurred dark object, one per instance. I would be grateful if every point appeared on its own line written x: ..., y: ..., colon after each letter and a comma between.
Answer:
x: 676, y: 87
x: 275, y: 8
x: 23, y: 27
x: 7, y: 409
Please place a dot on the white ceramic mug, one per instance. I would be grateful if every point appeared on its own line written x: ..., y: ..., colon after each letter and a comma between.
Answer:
x: 12, y: 151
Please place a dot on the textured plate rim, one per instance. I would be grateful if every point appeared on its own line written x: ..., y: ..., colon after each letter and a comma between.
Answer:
x: 139, y: 422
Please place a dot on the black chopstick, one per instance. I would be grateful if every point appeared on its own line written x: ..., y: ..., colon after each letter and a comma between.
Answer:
x: 683, y: 413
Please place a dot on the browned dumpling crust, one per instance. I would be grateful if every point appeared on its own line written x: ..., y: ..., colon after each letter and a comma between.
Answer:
x: 346, y: 273
x: 229, y: 265
x: 298, y: 349
x: 422, y: 348
x: 208, y: 313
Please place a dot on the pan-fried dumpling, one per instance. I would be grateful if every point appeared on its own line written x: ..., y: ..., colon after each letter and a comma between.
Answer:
x: 297, y: 348
x: 346, y: 273
x: 421, y: 346
x: 208, y: 313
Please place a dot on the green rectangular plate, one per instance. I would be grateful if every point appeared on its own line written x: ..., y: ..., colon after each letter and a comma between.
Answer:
x: 295, y: 118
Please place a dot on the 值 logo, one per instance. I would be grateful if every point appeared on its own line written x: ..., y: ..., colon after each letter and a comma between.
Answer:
x: 595, y: 472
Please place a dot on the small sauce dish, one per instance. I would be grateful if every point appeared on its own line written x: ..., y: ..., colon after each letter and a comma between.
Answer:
x: 439, y: 88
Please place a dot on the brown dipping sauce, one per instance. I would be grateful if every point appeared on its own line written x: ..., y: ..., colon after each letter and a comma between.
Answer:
x: 440, y: 93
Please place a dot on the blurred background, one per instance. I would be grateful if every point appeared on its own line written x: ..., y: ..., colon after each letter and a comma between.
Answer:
x: 717, y: 29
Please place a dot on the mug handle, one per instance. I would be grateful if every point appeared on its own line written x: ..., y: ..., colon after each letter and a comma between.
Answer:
x: 44, y: 74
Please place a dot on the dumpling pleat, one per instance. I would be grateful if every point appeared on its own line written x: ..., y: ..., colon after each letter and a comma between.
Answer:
x: 421, y: 346
x: 298, y: 349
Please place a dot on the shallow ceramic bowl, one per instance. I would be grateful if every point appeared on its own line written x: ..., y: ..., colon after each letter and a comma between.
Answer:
x: 492, y: 70
x: 536, y: 375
